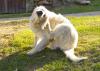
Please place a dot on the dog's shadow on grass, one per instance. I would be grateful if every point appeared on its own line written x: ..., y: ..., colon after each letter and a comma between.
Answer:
x: 20, y: 61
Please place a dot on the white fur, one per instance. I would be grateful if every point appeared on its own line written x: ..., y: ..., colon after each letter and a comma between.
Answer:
x: 50, y: 26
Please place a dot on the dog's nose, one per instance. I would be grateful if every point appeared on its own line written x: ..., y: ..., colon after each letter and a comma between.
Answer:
x: 39, y: 13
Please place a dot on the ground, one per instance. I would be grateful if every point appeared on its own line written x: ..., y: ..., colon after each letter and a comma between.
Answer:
x: 17, y: 38
x: 7, y: 30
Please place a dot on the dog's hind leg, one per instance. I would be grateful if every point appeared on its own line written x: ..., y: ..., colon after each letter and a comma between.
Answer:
x: 41, y: 44
x: 70, y: 54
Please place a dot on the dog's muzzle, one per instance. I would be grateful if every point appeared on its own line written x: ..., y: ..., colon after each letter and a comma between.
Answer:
x: 39, y: 13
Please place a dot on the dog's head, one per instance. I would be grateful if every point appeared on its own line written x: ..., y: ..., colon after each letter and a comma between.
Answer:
x: 39, y: 13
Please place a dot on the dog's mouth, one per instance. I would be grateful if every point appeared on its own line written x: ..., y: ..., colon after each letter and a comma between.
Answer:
x: 39, y: 13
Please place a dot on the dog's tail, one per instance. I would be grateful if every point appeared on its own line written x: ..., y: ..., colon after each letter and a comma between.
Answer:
x: 70, y: 54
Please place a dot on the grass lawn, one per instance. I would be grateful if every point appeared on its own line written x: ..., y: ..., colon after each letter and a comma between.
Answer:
x: 14, y: 58
x: 15, y: 15
x: 94, y: 6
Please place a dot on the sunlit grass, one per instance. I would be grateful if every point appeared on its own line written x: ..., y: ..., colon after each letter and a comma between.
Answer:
x: 23, y: 39
x: 86, y: 24
x: 14, y: 57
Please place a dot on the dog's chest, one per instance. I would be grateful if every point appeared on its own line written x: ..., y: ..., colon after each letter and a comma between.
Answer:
x: 39, y: 32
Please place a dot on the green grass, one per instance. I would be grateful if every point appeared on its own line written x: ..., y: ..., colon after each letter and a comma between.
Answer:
x: 14, y: 57
x: 25, y: 39
x: 94, y: 6
x: 14, y: 15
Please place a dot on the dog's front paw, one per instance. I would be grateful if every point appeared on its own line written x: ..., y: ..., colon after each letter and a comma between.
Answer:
x: 85, y: 57
x: 29, y: 53
x: 81, y: 59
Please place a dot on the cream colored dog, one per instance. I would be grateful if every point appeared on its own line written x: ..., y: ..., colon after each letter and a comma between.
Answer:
x: 53, y: 30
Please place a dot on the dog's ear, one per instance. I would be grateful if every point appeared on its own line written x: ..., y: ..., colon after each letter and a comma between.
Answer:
x: 33, y: 18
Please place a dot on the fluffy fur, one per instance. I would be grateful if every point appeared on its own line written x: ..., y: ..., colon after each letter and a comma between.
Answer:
x: 51, y: 26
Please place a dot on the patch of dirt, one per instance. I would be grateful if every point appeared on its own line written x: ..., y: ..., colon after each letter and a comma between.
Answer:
x: 7, y: 31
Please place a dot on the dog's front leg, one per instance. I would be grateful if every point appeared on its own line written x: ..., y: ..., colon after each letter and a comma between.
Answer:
x: 40, y: 45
